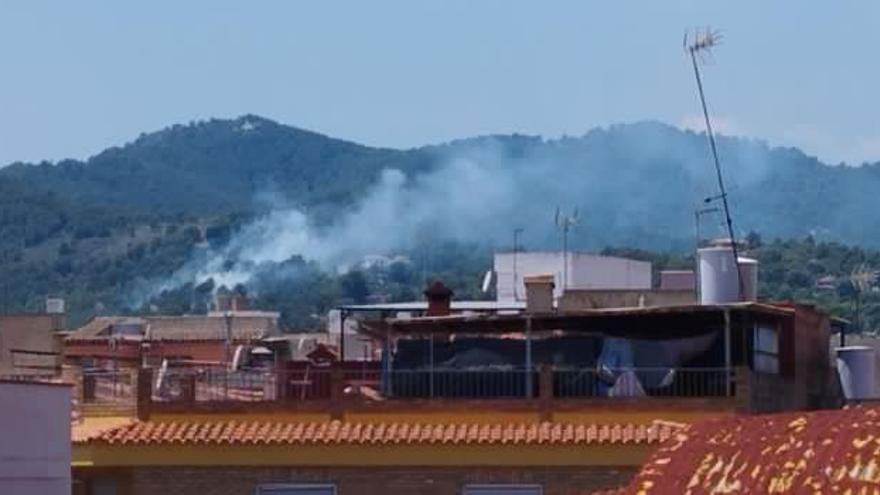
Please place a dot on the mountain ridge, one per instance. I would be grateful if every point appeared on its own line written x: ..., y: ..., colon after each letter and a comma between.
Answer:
x: 91, y: 229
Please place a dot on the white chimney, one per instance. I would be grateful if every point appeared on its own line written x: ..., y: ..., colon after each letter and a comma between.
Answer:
x: 539, y: 293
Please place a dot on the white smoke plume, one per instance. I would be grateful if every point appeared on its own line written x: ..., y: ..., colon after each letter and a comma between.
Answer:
x: 480, y: 195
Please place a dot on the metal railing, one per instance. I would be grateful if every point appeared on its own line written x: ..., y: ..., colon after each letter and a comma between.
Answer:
x: 218, y: 384
x: 109, y: 387
x: 460, y: 383
x: 323, y: 383
x: 29, y: 377
x: 638, y: 382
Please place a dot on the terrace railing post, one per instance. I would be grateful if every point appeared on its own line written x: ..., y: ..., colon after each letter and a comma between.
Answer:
x: 188, y: 388
x: 743, y: 389
x: 545, y: 382
x: 337, y: 390
x: 387, y: 387
x: 529, y: 357
x: 74, y: 375
x: 728, y: 361
x: 281, y: 380
x: 144, y: 397
x: 337, y: 382
x: 431, y: 366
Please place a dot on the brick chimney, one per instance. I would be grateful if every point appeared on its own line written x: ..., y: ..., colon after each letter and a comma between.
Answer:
x: 539, y: 293
x: 231, y: 301
x: 439, y: 299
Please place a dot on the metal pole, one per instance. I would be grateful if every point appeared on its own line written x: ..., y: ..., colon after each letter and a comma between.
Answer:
x: 227, y: 344
x: 431, y: 366
x: 516, y: 233
x: 528, y: 356
x: 387, y: 363
x: 711, y: 135
x: 728, y: 359
x: 697, y: 255
x: 564, y: 258
x: 342, y: 317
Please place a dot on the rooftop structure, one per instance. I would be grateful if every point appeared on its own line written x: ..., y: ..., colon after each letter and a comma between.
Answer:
x: 457, y: 402
x: 29, y: 343
x: 131, y: 341
x: 35, y: 451
x: 582, y: 271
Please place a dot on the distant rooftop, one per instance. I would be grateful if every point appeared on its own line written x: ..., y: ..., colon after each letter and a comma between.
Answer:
x: 416, y: 306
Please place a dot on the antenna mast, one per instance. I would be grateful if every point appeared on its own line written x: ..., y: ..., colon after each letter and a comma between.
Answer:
x: 565, y: 223
x: 516, y: 232
x: 703, y: 43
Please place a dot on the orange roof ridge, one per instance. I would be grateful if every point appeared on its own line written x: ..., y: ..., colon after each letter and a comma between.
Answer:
x: 258, y: 431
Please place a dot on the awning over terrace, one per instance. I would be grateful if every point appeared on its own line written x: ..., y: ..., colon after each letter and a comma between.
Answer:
x: 637, y: 323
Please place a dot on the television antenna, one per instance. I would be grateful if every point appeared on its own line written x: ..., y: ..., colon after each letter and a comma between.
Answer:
x: 516, y: 232
x: 700, y: 45
x: 564, y: 223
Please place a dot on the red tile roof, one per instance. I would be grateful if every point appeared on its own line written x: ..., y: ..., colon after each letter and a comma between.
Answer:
x: 178, y: 328
x: 249, y: 432
x: 817, y: 452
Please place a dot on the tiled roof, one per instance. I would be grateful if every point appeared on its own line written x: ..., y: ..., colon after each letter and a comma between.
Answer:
x: 817, y: 452
x: 85, y: 428
x: 188, y: 327
x: 97, y: 327
x: 209, y: 327
x: 246, y: 432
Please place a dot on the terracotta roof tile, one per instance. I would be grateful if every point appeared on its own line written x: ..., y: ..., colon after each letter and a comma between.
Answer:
x: 336, y: 432
x: 175, y: 328
x: 806, y: 452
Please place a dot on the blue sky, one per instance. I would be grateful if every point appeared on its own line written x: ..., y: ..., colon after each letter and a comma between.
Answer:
x: 80, y: 76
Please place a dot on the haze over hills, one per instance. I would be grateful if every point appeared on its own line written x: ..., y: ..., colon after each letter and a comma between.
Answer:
x: 191, y: 201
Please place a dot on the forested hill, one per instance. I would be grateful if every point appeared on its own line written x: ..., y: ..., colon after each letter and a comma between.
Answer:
x: 212, y: 167
x: 87, y: 230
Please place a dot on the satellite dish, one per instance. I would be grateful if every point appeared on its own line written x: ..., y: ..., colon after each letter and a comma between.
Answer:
x: 487, y: 280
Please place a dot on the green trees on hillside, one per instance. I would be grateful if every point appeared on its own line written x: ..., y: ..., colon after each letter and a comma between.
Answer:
x: 105, y: 232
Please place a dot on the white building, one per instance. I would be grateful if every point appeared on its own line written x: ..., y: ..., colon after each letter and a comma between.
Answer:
x: 34, y: 438
x: 583, y: 271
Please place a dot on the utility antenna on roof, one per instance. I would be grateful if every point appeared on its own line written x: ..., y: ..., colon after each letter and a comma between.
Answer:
x: 564, y: 223
x: 701, y: 44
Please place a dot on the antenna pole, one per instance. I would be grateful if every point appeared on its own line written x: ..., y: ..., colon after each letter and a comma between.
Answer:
x: 565, y: 257
x: 516, y: 232
x: 697, y: 254
x: 711, y: 135
x: 565, y: 223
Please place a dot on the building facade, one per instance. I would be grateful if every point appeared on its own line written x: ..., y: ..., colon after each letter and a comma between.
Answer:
x: 574, y: 270
x: 35, y: 433
x: 29, y: 343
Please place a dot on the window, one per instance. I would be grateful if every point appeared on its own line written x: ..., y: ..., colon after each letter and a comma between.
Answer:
x: 104, y: 486
x: 296, y: 489
x: 503, y: 490
x: 766, y: 349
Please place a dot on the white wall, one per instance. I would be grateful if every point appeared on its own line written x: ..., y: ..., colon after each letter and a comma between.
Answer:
x: 585, y: 271
x: 34, y: 439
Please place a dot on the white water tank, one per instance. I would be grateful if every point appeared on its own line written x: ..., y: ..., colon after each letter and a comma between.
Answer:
x: 748, y: 268
x: 718, y: 281
x: 855, y: 365
x: 54, y: 306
